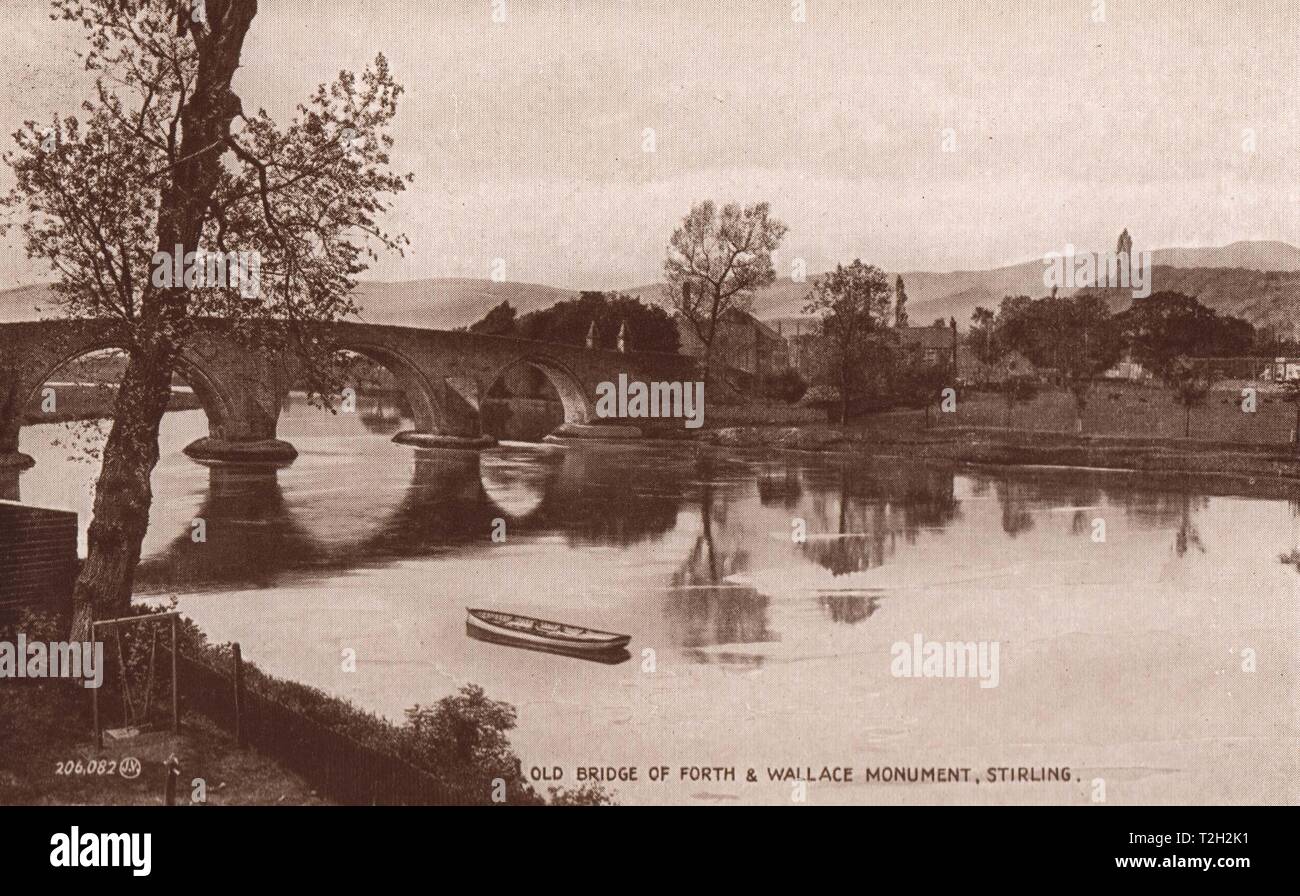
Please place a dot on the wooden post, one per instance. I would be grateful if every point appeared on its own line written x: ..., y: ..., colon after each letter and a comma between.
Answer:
x: 94, y: 695
x: 239, y: 689
x: 169, y: 788
x: 176, y: 703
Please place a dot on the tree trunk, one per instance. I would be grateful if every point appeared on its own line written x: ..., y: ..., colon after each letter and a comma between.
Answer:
x: 844, y: 399
x: 122, y: 493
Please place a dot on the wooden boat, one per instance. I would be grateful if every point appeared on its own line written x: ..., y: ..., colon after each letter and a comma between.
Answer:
x: 526, y: 630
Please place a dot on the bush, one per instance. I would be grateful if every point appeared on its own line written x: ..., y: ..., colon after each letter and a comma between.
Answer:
x: 786, y: 385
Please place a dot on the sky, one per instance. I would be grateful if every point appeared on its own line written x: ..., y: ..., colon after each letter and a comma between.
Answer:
x: 914, y: 135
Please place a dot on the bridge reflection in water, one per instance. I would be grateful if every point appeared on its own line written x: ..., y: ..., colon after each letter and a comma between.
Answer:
x: 704, y: 533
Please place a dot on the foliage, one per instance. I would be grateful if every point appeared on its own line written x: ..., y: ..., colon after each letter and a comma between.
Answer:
x: 1291, y: 395
x: 786, y: 385
x: 900, y: 303
x: 918, y: 383
x: 500, y: 321
x: 715, y: 261
x: 1166, y: 325
x: 163, y: 162
x: 853, y: 305
x: 462, y: 739
x: 1018, y: 389
x: 649, y: 327
x: 1190, y: 382
x: 91, y: 191
x: 589, y: 794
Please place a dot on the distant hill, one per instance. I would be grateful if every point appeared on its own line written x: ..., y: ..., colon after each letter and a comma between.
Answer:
x: 436, y: 304
x: 1259, y: 281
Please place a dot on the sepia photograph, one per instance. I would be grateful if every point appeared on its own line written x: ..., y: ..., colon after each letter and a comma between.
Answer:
x: 759, y: 403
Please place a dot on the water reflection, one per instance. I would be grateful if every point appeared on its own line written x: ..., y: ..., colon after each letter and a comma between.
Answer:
x: 858, y: 529
x: 699, y: 538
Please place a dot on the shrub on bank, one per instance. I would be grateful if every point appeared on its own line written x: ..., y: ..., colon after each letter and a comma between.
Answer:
x: 462, y: 740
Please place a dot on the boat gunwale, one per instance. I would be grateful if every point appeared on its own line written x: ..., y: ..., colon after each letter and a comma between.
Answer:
x: 603, y: 639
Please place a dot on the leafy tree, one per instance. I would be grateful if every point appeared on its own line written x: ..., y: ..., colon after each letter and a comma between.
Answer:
x: 1291, y: 395
x: 1166, y: 325
x: 983, y: 336
x: 464, y: 739
x: 900, y: 303
x: 918, y: 383
x: 853, y: 304
x: 1191, y: 383
x: 786, y: 385
x: 500, y: 321
x: 715, y: 261
x: 1018, y: 389
x: 1088, y: 345
x: 155, y: 162
x: 649, y: 328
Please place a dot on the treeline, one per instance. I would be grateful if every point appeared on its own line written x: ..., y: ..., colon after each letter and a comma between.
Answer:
x: 646, y: 328
x: 1071, y: 341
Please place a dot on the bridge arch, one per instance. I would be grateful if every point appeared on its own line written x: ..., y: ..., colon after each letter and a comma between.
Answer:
x: 213, y: 396
x: 578, y: 406
x: 427, y: 410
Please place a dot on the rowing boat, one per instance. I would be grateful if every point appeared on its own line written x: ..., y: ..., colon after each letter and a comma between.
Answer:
x: 542, y: 632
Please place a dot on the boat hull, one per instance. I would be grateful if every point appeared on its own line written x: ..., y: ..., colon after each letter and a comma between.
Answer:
x: 597, y: 642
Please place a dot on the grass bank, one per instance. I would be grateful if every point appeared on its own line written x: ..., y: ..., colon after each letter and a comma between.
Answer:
x: 48, y: 755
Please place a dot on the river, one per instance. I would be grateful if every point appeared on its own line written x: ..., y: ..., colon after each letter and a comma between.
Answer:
x: 1153, y: 654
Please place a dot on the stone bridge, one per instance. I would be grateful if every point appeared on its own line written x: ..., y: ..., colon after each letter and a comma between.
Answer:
x: 444, y: 375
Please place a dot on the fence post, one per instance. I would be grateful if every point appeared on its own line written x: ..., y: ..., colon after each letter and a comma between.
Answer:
x: 94, y: 699
x: 169, y: 788
x: 239, y: 690
x: 176, y: 703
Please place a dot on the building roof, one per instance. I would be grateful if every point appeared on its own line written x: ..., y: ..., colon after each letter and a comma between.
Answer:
x: 925, y: 337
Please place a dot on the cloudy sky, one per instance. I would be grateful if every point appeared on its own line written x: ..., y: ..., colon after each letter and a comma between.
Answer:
x: 528, y: 137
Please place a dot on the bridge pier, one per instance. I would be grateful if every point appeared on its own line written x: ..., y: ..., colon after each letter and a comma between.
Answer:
x: 16, y: 460
x: 254, y: 451
x: 11, y: 459
x: 437, y: 442
x: 605, y: 432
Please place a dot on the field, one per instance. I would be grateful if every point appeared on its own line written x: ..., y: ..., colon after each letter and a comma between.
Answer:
x: 1132, y: 409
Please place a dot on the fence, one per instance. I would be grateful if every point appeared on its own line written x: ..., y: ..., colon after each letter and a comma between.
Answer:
x: 336, y: 765
x: 38, y: 556
x: 1257, y: 369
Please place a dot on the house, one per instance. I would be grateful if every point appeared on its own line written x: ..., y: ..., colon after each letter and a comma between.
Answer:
x: 938, y: 344
x: 1127, y: 369
x: 1282, y: 370
x: 743, y: 343
x: 972, y: 371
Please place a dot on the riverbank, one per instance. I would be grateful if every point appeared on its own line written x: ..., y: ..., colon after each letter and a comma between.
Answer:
x: 47, y: 757
x: 1002, y: 447
x: 78, y: 402
x: 302, y: 746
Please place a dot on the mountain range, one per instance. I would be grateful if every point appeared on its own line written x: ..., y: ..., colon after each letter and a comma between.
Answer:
x: 1256, y: 280
x: 1259, y: 281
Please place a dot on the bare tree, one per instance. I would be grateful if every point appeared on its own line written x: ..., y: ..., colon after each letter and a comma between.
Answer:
x: 715, y: 262
x: 163, y: 160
